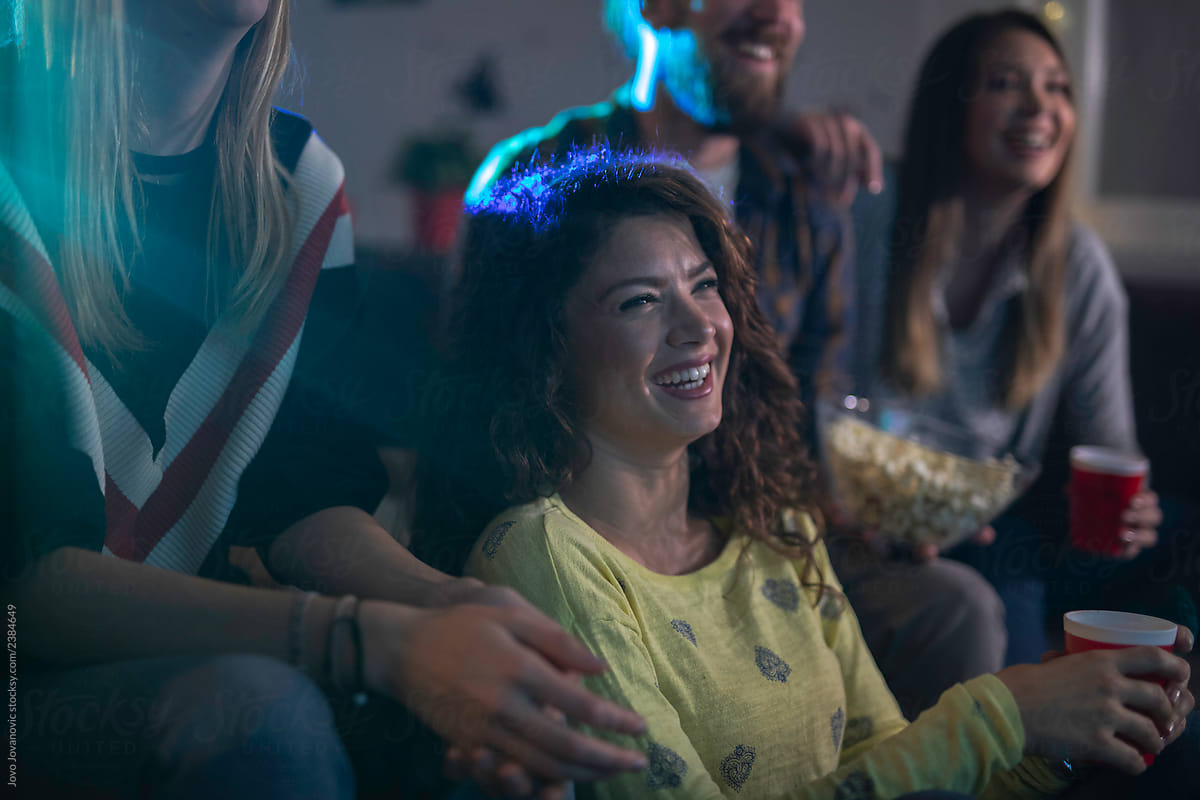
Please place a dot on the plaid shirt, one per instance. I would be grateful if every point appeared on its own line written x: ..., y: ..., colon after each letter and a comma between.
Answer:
x: 803, y: 250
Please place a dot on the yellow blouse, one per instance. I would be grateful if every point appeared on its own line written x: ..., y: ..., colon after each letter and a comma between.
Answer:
x: 750, y: 687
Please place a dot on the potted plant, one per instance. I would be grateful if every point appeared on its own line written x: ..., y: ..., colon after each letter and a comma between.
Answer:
x: 438, y: 166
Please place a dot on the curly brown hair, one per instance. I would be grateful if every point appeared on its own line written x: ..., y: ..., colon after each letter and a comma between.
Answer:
x: 528, y: 242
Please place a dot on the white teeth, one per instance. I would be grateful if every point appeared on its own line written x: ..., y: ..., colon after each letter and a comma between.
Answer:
x: 689, y: 378
x: 756, y: 50
x: 1032, y: 140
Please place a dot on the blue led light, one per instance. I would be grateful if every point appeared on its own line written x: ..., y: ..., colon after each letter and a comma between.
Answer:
x: 685, y: 71
x: 674, y: 57
x: 12, y: 18
x: 532, y: 194
x: 646, y: 77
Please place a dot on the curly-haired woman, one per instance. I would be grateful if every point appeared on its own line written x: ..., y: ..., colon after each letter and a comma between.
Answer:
x: 647, y: 431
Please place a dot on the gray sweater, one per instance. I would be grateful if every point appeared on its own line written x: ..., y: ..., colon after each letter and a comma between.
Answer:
x: 1089, y: 393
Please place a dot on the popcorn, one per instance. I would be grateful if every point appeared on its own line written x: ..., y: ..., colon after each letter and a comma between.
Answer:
x: 911, y: 493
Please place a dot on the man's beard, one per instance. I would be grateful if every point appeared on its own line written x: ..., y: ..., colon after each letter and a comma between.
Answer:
x: 714, y: 92
x: 751, y: 101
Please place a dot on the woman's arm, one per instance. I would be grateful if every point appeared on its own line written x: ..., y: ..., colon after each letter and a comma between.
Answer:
x: 972, y: 736
x: 934, y: 753
x: 81, y: 607
x: 468, y: 672
x: 1090, y: 706
x: 345, y: 551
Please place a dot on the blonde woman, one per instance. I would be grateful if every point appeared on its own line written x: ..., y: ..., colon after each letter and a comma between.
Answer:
x: 173, y: 281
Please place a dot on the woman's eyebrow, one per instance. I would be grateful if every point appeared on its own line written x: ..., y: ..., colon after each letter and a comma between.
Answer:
x: 638, y: 280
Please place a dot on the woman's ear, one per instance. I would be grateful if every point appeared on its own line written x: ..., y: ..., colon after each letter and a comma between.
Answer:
x: 669, y: 14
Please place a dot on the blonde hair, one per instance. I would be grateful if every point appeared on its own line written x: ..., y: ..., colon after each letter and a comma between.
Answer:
x: 72, y: 160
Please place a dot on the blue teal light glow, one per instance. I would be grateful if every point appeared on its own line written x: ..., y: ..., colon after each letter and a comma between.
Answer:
x: 12, y: 18
x: 646, y: 78
x: 687, y: 76
x: 504, y: 152
x: 532, y: 194
x: 674, y: 57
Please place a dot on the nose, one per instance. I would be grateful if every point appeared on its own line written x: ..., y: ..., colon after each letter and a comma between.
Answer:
x: 691, y: 325
x: 1034, y: 99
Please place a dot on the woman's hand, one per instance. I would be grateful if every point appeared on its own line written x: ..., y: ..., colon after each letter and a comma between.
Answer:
x: 480, y: 676
x: 1178, y: 694
x: 1141, y: 521
x: 1091, y: 707
x: 497, y: 778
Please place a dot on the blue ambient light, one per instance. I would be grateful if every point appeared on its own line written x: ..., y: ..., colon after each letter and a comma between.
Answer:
x: 12, y: 18
x: 646, y: 77
x: 532, y: 194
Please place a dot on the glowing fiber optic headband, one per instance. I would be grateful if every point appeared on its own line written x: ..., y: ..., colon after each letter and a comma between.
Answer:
x: 533, y: 194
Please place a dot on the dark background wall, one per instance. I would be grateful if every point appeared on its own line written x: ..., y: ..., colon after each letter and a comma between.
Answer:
x: 374, y: 73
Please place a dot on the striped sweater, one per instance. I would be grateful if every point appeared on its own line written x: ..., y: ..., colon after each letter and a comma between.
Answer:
x: 169, y: 505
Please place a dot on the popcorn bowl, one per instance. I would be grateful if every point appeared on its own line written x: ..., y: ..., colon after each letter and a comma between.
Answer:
x: 912, y: 479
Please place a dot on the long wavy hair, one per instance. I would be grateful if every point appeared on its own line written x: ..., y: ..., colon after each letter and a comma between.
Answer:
x: 528, y: 242
x: 929, y: 223
x: 71, y: 120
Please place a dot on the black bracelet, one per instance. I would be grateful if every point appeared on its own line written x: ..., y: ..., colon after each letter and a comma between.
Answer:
x: 341, y: 611
x: 346, y: 612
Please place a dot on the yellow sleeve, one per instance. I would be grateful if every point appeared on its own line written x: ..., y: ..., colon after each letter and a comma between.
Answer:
x: 961, y: 745
x: 971, y: 741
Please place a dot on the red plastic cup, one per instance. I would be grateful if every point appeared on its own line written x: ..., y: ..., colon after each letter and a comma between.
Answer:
x: 1103, y: 481
x: 1116, y: 630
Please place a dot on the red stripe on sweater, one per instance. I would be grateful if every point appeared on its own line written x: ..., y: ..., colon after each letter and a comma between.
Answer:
x: 27, y: 275
x: 120, y: 514
x: 187, y: 473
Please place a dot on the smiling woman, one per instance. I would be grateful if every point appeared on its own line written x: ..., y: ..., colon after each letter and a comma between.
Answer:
x: 576, y: 306
x: 655, y: 319
x: 634, y: 405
